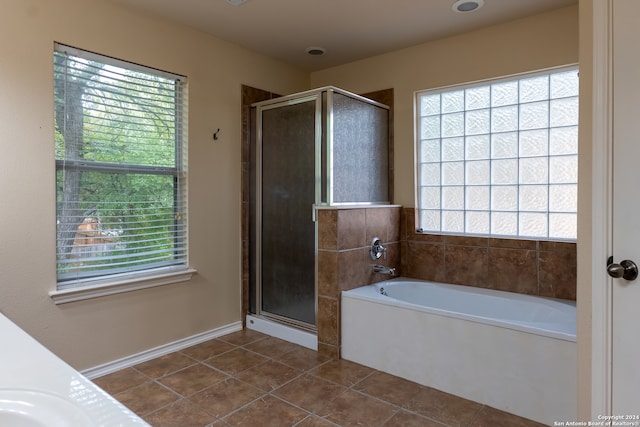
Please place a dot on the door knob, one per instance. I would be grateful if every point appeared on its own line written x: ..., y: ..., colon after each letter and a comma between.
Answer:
x: 628, y: 270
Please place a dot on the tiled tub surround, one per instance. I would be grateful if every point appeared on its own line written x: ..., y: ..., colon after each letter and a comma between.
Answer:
x: 344, y: 239
x: 542, y: 268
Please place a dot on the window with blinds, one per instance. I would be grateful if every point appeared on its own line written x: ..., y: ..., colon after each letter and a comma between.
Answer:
x: 120, y: 168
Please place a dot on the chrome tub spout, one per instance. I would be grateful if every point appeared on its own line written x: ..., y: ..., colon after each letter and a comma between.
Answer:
x: 384, y: 270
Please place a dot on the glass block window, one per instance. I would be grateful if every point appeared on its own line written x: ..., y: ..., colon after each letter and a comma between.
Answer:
x: 500, y: 158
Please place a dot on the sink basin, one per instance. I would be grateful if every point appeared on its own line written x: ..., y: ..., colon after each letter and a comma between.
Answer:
x: 34, y: 408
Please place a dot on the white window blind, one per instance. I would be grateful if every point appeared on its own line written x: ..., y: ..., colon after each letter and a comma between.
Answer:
x: 120, y: 168
x: 501, y: 157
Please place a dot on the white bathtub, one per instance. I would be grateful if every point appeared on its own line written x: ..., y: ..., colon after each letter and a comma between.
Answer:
x: 510, y: 351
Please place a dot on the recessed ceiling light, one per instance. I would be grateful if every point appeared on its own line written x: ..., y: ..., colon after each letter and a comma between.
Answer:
x: 316, y: 50
x: 235, y: 2
x: 466, y: 6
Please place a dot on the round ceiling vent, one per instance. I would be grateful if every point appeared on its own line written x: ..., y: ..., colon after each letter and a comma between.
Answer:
x: 316, y: 51
x: 466, y: 6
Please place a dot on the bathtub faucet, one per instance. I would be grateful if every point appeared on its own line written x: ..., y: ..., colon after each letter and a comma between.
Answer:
x: 384, y: 270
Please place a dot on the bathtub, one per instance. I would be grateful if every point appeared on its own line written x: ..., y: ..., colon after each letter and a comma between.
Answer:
x: 510, y: 351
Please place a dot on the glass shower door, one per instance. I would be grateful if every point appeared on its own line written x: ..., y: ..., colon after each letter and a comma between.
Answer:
x: 287, y: 232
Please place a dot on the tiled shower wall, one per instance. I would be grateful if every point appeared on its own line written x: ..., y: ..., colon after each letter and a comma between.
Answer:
x: 344, y: 238
x: 542, y: 268
x: 251, y: 95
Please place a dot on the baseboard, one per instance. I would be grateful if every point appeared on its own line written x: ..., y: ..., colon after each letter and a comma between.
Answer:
x: 278, y: 330
x: 152, y: 353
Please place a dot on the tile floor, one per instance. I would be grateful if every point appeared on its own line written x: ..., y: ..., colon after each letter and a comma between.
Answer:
x: 250, y: 379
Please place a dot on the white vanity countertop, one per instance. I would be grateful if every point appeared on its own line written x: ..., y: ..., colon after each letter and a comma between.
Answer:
x: 35, y: 384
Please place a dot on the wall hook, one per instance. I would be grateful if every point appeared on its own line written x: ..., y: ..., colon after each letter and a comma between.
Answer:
x: 215, y: 134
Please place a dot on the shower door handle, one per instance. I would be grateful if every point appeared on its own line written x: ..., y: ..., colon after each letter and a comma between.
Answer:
x: 627, y: 269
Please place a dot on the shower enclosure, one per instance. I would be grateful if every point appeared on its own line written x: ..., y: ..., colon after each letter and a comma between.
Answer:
x: 309, y: 151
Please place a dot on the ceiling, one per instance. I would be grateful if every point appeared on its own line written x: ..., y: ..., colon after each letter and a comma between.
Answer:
x: 349, y: 30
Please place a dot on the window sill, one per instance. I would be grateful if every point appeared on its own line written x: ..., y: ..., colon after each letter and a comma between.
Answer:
x: 121, y: 285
